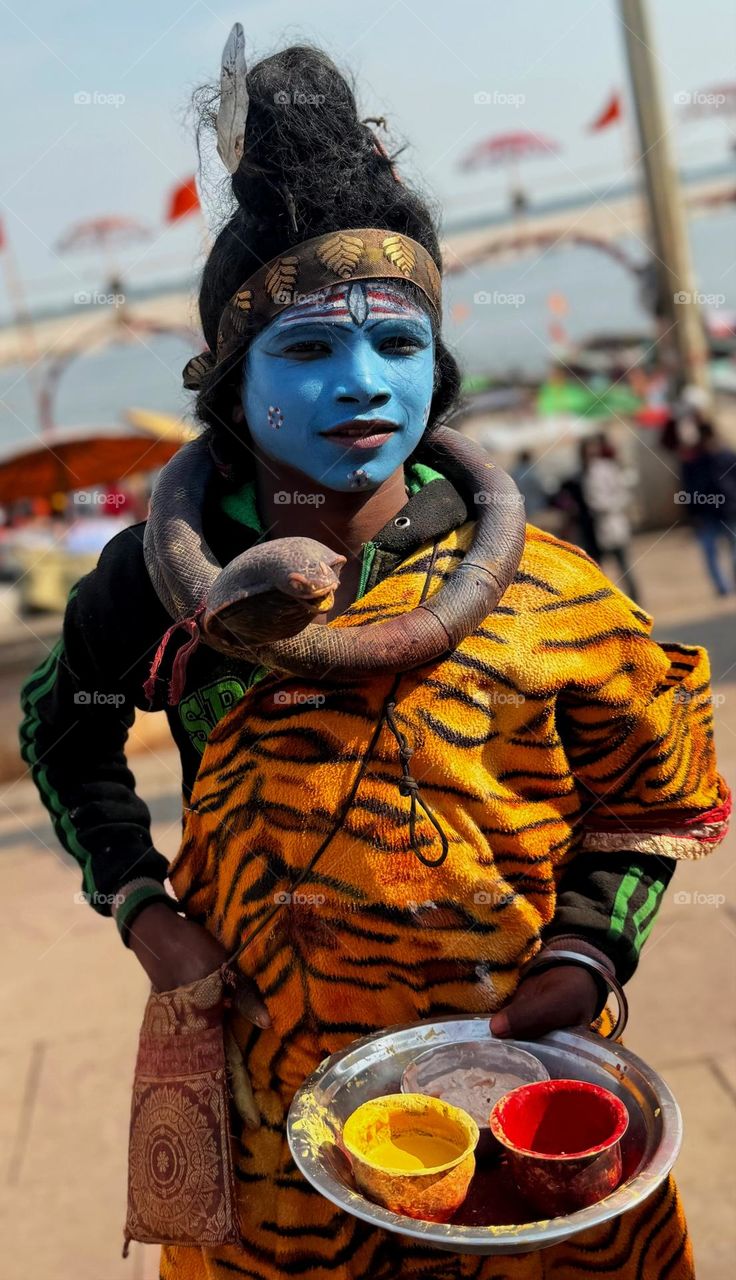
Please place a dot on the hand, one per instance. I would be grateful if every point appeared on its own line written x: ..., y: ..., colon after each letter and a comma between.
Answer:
x: 565, y: 995
x: 175, y: 951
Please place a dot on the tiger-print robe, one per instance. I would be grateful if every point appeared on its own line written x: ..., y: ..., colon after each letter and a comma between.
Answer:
x: 557, y: 727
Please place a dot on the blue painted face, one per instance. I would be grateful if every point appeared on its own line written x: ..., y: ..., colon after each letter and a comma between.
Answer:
x: 359, y: 357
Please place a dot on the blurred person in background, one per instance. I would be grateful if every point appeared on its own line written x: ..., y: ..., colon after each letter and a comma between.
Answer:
x: 607, y: 487
x: 578, y: 524
x: 708, y: 475
x: 526, y: 479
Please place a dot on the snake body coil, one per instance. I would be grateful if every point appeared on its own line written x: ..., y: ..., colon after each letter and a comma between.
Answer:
x: 260, y: 607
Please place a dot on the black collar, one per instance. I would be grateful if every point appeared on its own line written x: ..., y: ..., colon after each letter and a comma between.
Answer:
x: 432, y: 512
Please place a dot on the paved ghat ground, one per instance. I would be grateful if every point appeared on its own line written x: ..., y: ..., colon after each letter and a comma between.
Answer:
x: 71, y: 999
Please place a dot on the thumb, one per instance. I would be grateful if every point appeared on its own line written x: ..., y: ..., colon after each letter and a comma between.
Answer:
x: 247, y: 1001
x: 527, y: 1016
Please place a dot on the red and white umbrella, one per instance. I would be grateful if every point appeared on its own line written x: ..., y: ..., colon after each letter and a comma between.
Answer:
x: 106, y: 236
x: 107, y: 233
x: 509, y: 148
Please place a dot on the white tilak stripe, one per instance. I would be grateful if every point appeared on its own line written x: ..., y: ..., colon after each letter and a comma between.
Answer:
x: 383, y: 303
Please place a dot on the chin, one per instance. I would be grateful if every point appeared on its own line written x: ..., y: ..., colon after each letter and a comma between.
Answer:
x: 377, y: 471
x: 345, y: 485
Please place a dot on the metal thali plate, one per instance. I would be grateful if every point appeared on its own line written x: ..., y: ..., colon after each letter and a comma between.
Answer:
x: 372, y: 1067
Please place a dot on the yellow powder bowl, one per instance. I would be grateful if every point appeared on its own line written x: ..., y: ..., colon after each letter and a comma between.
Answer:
x: 412, y: 1154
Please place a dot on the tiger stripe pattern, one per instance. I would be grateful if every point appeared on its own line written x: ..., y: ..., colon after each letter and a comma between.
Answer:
x: 367, y: 900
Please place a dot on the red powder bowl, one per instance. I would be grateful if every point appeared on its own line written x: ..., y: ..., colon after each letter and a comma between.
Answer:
x: 563, y: 1139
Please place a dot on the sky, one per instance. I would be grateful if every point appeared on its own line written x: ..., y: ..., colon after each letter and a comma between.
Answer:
x: 96, y: 99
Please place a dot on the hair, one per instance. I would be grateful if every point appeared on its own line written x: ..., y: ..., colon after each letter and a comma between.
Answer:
x: 310, y: 166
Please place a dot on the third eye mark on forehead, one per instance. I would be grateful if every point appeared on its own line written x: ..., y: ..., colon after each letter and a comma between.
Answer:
x: 413, y: 323
x: 357, y: 305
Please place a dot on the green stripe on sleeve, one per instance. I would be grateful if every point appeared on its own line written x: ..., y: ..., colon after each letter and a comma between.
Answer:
x: 642, y: 937
x: 29, y: 753
x: 626, y: 891
x: 639, y: 925
x: 646, y: 910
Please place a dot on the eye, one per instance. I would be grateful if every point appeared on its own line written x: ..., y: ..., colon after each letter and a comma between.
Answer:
x: 309, y: 347
x: 401, y: 344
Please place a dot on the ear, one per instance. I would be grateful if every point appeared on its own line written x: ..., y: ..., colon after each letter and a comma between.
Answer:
x: 238, y: 413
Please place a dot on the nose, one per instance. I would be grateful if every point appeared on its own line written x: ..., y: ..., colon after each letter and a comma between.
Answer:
x: 362, y: 383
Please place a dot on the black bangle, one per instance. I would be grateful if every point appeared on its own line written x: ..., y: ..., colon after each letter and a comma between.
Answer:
x: 545, y: 960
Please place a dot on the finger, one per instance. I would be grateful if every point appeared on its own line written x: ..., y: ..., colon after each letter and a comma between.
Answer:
x: 248, y: 1003
x: 240, y: 1085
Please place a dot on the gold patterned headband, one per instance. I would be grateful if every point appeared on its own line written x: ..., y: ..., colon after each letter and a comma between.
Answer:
x: 305, y: 270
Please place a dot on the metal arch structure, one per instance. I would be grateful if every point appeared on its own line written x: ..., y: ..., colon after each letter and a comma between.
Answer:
x: 93, y: 341
x: 514, y: 242
x: 518, y: 244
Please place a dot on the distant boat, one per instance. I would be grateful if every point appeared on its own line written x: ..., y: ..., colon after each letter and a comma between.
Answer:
x: 161, y: 425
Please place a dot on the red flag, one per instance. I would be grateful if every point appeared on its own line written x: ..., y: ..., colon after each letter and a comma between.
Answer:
x: 609, y: 115
x: 183, y: 200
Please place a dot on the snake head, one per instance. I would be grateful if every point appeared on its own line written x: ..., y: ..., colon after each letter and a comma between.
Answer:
x: 305, y: 571
x: 271, y: 592
x: 316, y: 582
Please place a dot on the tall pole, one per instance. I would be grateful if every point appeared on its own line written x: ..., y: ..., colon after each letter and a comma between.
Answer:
x: 672, y: 265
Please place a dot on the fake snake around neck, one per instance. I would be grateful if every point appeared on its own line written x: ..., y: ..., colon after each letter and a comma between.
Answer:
x: 261, y: 606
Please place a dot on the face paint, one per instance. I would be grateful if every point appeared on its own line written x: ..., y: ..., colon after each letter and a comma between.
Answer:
x: 357, y: 353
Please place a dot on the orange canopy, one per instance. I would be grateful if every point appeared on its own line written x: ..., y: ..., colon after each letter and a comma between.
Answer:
x: 65, y: 459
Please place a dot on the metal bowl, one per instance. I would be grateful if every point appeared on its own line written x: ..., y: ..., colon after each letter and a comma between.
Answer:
x: 373, y: 1066
x: 493, y: 1068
